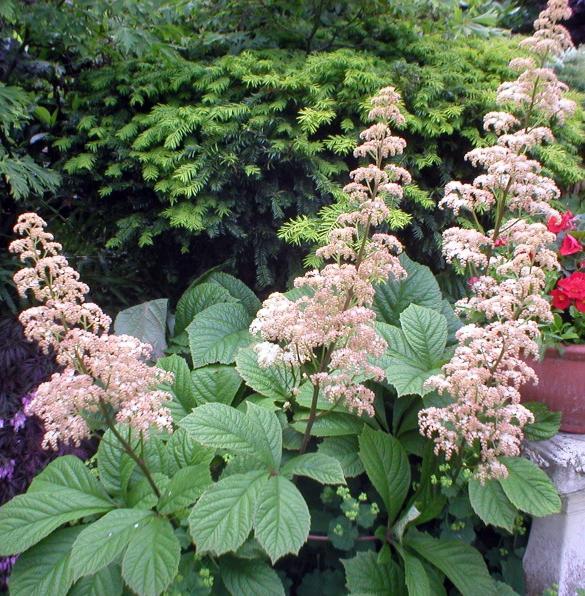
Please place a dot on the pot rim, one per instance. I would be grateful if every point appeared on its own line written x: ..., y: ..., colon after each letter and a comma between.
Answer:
x: 566, y: 352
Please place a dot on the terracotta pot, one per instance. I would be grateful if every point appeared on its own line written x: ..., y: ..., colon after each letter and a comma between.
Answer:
x: 561, y: 385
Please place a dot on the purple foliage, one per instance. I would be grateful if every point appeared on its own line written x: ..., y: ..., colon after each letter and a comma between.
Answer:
x: 22, y: 368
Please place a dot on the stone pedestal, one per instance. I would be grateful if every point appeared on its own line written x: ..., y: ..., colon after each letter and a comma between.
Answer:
x: 556, y: 547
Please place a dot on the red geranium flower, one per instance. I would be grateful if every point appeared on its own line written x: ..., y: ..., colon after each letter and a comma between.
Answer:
x: 560, y: 300
x: 580, y: 305
x: 570, y: 246
x: 566, y: 222
x: 573, y: 286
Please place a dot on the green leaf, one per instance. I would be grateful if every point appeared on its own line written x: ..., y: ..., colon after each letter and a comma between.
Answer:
x: 152, y: 558
x: 461, y: 563
x: 184, y: 488
x: 223, y: 427
x: 336, y: 424
x: 387, y: 466
x: 43, y: 115
x: 269, y: 432
x: 282, y: 518
x: 276, y: 381
x: 426, y: 333
x: 345, y: 451
x: 27, y: 519
x: 196, y: 299
x: 184, y: 451
x: 70, y: 475
x: 237, y: 289
x: 366, y: 577
x: 414, y: 352
x: 318, y: 466
x: 107, y: 582
x: 242, y: 577
x: 102, y: 542
x: 45, y: 568
x: 546, y: 422
x: 216, y: 383
x: 182, y: 387
x: 217, y: 333
x: 419, y: 287
x: 147, y: 322
x: 222, y: 519
x: 415, y: 575
x: 490, y: 503
x: 115, y: 466
x: 529, y: 488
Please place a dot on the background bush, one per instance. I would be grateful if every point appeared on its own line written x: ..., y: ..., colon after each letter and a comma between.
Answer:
x: 186, y: 139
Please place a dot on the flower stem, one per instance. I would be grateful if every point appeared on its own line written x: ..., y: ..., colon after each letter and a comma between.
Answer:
x: 129, y: 450
x: 311, y: 419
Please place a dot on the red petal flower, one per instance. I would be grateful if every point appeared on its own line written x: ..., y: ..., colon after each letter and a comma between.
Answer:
x: 566, y: 222
x: 573, y: 286
x: 560, y: 300
x: 580, y: 305
x: 570, y: 246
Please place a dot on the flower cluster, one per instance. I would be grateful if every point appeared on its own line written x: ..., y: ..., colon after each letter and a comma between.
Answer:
x: 329, y: 331
x: 100, y: 373
x: 509, y: 264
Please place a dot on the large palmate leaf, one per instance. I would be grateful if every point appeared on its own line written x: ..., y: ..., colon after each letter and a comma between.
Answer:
x: 217, y: 333
x: 222, y: 518
x: 237, y: 289
x: 184, y: 488
x: 257, y: 433
x: 196, y: 299
x: 103, y: 541
x: 491, y: 504
x: 318, y: 466
x: 282, y: 519
x: 345, y: 451
x: 529, y: 488
x: 71, y: 476
x: 115, y: 466
x: 107, y: 581
x: 461, y: 563
x: 249, y: 576
x: 415, y: 575
x: 415, y: 351
x: 366, y: 577
x: 147, y: 322
x: 216, y: 383
x: 276, y: 381
x: 419, y: 287
x: 335, y: 424
x: 152, y: 557
x: 46, y: 567
x: 387, y: 467
x: 184, y: 451
x: 183, y: 387
x: 63, y: 492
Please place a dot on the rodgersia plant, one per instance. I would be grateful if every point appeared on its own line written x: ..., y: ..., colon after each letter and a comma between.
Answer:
x: 101, y: 374
x: 505, y: 248
x: 328, y: 333
x: 321, y: 384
